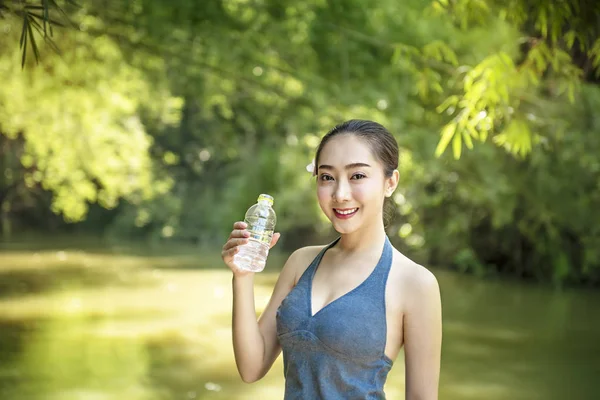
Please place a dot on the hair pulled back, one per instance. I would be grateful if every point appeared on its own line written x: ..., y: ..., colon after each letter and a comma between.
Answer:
x: 380, y: 140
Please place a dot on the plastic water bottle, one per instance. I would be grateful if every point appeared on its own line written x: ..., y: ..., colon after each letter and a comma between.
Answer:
x: 261, y: 220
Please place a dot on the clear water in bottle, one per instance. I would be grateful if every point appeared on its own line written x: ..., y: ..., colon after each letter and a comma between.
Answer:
x: 261, y: 220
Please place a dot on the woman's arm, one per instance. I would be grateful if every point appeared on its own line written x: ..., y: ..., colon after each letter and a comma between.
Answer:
x: 255, y: 343
x: 423, y: 337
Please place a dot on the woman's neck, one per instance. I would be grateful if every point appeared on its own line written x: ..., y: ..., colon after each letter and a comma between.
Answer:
x: 365, y: 239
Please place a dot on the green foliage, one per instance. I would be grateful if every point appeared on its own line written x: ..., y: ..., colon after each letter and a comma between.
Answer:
x: 78, y: 118
x: 532, y: 218
x: 39, y: 17
x: 189, y: 110
x: 495, y: 93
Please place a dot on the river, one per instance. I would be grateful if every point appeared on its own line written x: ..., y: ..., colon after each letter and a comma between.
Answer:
x: 112, y: 323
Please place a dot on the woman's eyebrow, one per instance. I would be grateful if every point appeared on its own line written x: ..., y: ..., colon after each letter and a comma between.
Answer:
x: 349, y: 166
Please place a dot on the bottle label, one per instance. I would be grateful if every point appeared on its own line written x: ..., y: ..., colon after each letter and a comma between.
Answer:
x: 259, y: 224
x: 260, y: 234
x: 260, y: 228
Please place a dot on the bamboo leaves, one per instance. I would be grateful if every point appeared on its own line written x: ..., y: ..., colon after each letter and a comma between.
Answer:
x: 36, y: 21
x: 495, y: 94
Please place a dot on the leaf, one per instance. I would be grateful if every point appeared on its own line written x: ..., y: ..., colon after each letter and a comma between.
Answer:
x: 450, y: 55
x: 533, y: 77
x: 61, y: 10
x: 423, y: 86
x: 570, y: 38
x: 505, y: 58
x: 402, y: 52
x: 450, y: 101
x: 46, y: 38
x: 24, y: 40
x: 52, y: 45
x: 437, y: 87
x: 432, y: 50
x: 472, y: 131
x: 46, y: 14
x: 542, y: 23
x: 51, y: 21
x: 33, y: 44
x: 484, y: 135
x: 500, y: 139
x: 36, y: 25
x: 456, y: 146
x: 536, y: 54
x: 516, y: 138
x: 447, y: 134
x: 440, y: 51
x: 468, y: 141
x: 468, y: 82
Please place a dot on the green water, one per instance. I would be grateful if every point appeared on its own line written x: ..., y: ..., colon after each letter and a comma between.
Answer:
x: 155, y: 324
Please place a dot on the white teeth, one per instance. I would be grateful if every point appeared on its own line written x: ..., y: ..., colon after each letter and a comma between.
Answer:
x: 346, y: 212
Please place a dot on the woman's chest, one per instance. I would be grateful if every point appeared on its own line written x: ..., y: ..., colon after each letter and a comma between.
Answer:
x: 353, y: 321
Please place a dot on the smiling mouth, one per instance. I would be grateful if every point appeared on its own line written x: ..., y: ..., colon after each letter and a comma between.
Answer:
x: 345, y: 213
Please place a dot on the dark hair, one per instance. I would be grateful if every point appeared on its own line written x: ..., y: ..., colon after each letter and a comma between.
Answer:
x: 383, y: 145
x: 380, y: 140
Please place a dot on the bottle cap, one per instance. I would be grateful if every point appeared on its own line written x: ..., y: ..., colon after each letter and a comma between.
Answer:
x: 267, y: 198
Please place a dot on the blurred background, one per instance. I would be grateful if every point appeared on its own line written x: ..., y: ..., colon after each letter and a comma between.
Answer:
x: 134, y: 133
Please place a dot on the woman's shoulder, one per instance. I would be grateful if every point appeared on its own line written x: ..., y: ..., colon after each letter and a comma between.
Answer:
x: 301, y: 259
x: 307, y: 251
x: 412, y: 278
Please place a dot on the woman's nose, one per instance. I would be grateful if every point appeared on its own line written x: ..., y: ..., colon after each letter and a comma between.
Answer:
x: 342, y: 192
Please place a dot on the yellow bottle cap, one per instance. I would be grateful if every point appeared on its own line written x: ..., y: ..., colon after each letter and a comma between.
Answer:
x: 267, y: 198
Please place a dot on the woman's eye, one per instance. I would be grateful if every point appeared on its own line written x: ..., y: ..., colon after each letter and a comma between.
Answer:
x: 358, y: 176
x: 326, y: 178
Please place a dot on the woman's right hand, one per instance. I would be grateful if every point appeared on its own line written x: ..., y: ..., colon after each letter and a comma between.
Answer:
x: 238, y: 237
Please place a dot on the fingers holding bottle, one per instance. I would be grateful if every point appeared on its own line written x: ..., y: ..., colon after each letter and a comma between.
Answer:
x: 275, y: 239
x: 249, y: 242
x: 239, y: 236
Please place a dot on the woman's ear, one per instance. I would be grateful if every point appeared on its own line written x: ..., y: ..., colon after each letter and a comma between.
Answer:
x: 392, y: 183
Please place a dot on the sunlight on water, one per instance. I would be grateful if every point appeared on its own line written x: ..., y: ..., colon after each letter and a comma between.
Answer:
x: 78, y: 325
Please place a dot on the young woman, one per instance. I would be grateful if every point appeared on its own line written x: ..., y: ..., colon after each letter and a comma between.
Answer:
x: 341, y: 312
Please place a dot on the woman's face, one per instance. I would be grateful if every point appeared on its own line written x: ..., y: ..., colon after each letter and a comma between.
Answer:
x: 351, y: 186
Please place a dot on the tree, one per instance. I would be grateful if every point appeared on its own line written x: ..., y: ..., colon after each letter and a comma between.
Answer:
x: 496, y: 96
x: 505, y: 93
x: 75, y: 123
x: 36, y: 16
x: 229, y: 99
